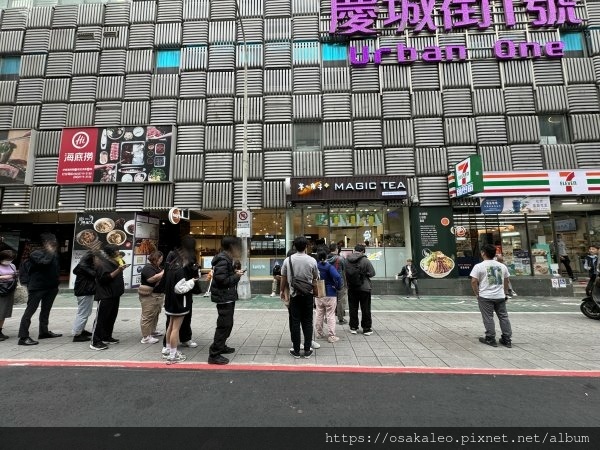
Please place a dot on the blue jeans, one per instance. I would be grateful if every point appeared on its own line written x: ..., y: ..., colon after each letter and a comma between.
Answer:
x: 301, y: 314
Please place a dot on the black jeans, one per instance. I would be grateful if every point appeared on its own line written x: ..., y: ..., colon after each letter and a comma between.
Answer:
x: 407, y: 283
x: 590, y: 286
x: 362, y: 298
x: 46, y: 298
x: 185, y: 332
x: 106, y: 316
x: 301, y: 314
x: 567, y: 263
x: 224, y: 327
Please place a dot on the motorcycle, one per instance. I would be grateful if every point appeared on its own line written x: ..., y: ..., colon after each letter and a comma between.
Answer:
x: 590, y: 307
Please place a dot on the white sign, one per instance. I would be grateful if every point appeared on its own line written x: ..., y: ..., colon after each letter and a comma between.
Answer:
x: 567, y: 182
x: 244, y: 223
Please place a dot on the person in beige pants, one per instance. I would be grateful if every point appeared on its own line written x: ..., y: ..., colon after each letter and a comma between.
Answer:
x: 153, y: 301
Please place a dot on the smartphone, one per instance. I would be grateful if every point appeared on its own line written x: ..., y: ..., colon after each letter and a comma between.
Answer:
x: 126, y: 265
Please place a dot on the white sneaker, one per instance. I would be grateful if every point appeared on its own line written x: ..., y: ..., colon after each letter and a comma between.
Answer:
x: 353, y: 331
x: 272, y: 294
x: 315, y: 344
x: 157, y: 333
x: 149, y: 340
x: 190, y: 344
x: 165, y: 352
x: 332, y: 339
x: 179, y: 357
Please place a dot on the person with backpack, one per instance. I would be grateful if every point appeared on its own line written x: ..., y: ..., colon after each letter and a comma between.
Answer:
x: 326, y: 305
x: 339, y: 262
x: 359, y: 272
x: 43, y: 280
x: 85, y: 288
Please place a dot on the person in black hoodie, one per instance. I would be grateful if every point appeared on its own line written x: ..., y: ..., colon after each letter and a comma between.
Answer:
x: 85, y: 288
x: 42, y: 288
x: 110, y: 285
x: 224, y: 293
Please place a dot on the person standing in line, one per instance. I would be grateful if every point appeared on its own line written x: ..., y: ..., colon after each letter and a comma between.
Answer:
x: 489, y: 281
x: 409, y: 274
x: 224, y: 293
x: 151, y: 301
x: 326, y: 306
x: 85, y: 288
x: 8, y: 282
x: 110, y: 285
x: 339, y: 262
x: 44, y: 273
x: 302, y: 267
x: 563, y: 256
x: 276, y: 285
x: 591, y: 265
x: 359, y: 272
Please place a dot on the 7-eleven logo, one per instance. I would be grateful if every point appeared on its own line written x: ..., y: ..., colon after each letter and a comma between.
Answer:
x: 568, y: 180
x: 463, y: 174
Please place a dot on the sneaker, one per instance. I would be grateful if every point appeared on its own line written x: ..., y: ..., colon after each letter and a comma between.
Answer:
x: 86, y: 333
x: 99, y: 346
x: 219, y: 359
x: 342, y: 321
x: 307, y: 354
x: 272, y: 294
x: 294, y: 353
x: 3, y: 337
x: 512, y: 293
x: 149, y: 340
x: 179, y: 357
x: 111, y: 340
x: 368, y: 332
x: 157, y: 333
x: 81, y: 338
x: 165, y: 352
x: 320, y: 336
x: 353, y: 330
x: 315, y: 344
x: 332, y: 339
x: 190, y: 344
x: 488, y: 341
x: 505, y: 341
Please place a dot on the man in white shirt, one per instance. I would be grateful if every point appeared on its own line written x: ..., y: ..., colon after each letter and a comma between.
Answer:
x: 489, y: 281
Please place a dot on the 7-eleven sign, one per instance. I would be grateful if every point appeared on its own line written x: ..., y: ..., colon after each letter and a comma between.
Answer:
x: 469, y: 176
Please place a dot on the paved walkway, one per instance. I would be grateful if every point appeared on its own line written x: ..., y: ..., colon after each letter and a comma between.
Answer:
x: 435, y: 332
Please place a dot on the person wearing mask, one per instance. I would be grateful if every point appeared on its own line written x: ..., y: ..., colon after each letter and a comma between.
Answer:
x: 326, y: 305
x: 8, y: 283
x: 151, y: 297
x: 359, y: 272
x: 110, y: 285
x: 85, y: 288
x: 44, y: 272
x: 591, y: 265
x: 489, y: 281
x: 409, y: 274
x: 563, y: 257
x: 224, y: 293
x: 339, y: 262
x: 298, y: 274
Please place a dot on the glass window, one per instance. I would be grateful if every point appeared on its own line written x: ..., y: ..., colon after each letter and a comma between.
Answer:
x: 10, y: 67
x: 334, y: 55
x: 167, y: 61
x: 574, y: 43
x: 307, y: 137
x: 553, y: 130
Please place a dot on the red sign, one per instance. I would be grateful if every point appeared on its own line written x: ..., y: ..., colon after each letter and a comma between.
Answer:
x: 77, y: 155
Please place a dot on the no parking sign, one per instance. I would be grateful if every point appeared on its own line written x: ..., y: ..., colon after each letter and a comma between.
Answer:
x: 244, y: 223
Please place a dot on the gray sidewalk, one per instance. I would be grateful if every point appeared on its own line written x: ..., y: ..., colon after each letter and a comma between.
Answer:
x: 432, y: 332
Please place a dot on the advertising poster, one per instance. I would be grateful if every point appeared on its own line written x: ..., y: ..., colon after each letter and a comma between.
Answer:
x: 111, y: 155
x: 521, y: 263
x: 434, y: 242
x: 542, y: 259
x: 145, y: 230
x: 14, y: 156
x: 94, y: 231
x: 366, y: 219
x: 515, y: 205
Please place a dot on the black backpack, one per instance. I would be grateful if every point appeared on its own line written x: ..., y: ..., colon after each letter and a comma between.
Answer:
x: 354, y: 274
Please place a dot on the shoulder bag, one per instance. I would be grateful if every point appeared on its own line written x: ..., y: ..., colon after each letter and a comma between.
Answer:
x: 301, y: 287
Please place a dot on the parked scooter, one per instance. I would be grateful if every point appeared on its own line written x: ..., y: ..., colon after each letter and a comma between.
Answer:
x: 590, y: 307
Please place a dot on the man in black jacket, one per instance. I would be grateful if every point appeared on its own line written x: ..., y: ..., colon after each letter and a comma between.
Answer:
x: 224, y: 293
x: 85, y: 288
x: 409, y: 274
x: 42, y: 288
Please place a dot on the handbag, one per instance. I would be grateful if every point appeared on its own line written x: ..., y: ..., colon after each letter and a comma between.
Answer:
x: 321, y: 291
x: 145, y: 291
x: 7, y: 288
x: 301, y: 287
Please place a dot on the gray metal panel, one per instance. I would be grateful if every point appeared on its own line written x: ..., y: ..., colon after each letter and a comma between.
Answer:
x: 424, y: 77
x: 194, y: 58
x: 33, y: 65
x: 274, y: 194
x: 255, y: 137
x: 59, y: 65
x: 305, y: 27
x: 135, y: 113
x: 26, y: 116
x: 338, y: 162
x: 43, y: 198
x: 158, y: 196
x: 548, y: 72
x: 165, y: 86
x: 86, y: 63
x: 337, y: 135
x: 455, y: 75
x: 278, y: 165
x: 485, y: 73
x: 218, y: 167
x: 579, y: 70
x: 38, y: 18
x: 65, y: 16
x: 254, y: 191
x: 117, y: 13
x: 83, y: 88
x: 36, y: 41
x: 8, y: 91
x: 141, y: 35
x: 167, y: 35
x: 255, y: 82
x: 62, y: 39
x: 303, y: 7
x: 71, y: 198
x: 396, y: 104
x: 14, y: 19
x: 433, y: 191
x: 193, y: 85
x: 139, y: 61
x: 30, y: 90
x: 277, y: 8
x: 100, y: 197
x: 335, y: 79
x: 488, y: 101
x: 6, y: 116
x: 306, y: 80
x: 195, y: 33
x: 115, y: 37
x: 277, y: 136
x: 337, y: 107
x: 191, y: 112
x: 142, y: 12
x: 308, y: 164
x: 365, y: 79
x: 558, y: 157
x: 481, y: 45
x: 45, y: 170
x: 254, y: 29
x: 255, y: 109
x: 306, y: 53
x: 188, y: 194
x: 255, y: 165
x: 221, y: 57
x: 11, y: 41
x: 307, y: 107
x: 56, y: 89
x: 491, y: 130
x: 523, y: 129
x: 217, y: 195
x: 219, y: 138
x: 367, y: 134
x: 190, y: 139
x: 113, y: 62
x: 138, y: 86
x: 196, y: 9
x: 169, y: 11
x: 88, y: 38
x: 398, y: 133
x: 460, y: 131
x: 278, y: 81
x: 80, y: 114
x: 129, y: 197
x: 278, y: 54
x: 583, y: 98
x: 108, y: 113
x: 400, y: 161
x: 427, y: 104
x: 526, y: 157
x: 366, y: 106
x: 587, y: 156
x: 517, y: 73
x: 585, y: 127
x: 369, y: 162
x: 429, y: 132
x: 15, y: 199
x: 431, y: 161
x: 222, y: 32
x: 222, y: 10
x: 220, y: 110
x: 48, y: 143
x: 519, y: 100
x: 552, y: 99
x: 457, y: 103
x: 163, y: 111
x: 110, y: 88
x: 220, y: 84
x: 457, y: 154
x: 277, y: 29
x: 496, y: 158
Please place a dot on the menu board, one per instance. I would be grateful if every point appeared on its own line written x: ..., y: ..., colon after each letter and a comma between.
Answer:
x: 119, y: 154
x: 348, y: 220
x: 146, y: 242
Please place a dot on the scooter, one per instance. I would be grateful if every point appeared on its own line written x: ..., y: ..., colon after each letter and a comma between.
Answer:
x: 590, y: 307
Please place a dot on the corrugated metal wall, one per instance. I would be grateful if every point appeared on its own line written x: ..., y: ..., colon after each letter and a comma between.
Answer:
x: 94, y: 65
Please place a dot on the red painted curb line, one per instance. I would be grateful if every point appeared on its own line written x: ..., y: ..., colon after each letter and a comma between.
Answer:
x: 302, y: 368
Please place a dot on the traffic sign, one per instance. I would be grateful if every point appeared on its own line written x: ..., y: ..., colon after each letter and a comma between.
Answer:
x: 244, y: 223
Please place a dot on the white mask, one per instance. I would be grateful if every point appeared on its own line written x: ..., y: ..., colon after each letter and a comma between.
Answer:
x: 6, y: 263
